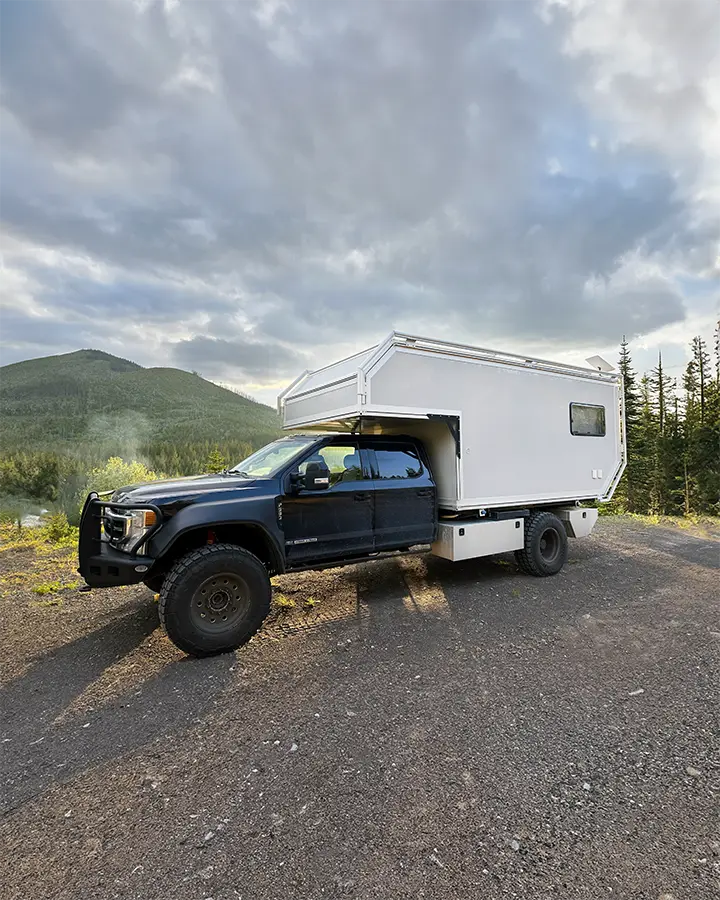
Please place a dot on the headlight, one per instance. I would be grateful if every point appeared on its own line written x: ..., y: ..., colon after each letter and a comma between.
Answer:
x: 141, y: 521
x: 127, y: 528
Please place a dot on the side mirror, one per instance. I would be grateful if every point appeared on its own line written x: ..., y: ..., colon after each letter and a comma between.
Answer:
x: 317, y: 477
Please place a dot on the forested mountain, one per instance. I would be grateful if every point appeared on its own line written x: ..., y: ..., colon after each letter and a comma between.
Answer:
x: 92, y: 405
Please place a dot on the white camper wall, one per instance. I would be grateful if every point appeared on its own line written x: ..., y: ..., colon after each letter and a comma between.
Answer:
x: 515, y: 424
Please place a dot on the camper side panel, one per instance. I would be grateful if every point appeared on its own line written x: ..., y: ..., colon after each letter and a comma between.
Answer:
x: 517, y: 445
x: 322, y: 405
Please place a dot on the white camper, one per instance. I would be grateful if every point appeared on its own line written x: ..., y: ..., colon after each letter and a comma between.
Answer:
x: 502, y: 431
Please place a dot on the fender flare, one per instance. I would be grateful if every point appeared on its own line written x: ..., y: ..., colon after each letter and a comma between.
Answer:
x: 194, y: 518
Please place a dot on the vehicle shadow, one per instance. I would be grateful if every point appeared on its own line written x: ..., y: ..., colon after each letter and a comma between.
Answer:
x: 42, y: 747
x: 480, y: 598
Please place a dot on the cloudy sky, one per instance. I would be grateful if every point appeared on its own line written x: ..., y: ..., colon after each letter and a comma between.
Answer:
x: 248, y: 189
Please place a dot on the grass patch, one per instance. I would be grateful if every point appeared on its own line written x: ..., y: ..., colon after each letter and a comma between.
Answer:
x: 41, y: 560
x: 310, y: 602
x: 53, y: 601
x: 54, y: 534
x: 52, y: 587
x: 708, y: 525
x: 49, y: 587
x: 284, y: 602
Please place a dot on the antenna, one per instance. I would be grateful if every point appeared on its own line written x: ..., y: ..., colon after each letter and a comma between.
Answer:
x: 602, y: 365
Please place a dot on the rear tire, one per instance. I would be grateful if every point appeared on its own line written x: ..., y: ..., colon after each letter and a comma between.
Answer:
x: 214, y: 599
x: 545, y: 550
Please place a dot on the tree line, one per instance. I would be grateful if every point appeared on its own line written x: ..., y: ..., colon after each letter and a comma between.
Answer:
x: 673, y: 436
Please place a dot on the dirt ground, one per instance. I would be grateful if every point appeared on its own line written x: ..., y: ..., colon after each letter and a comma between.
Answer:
x: 409, y: 728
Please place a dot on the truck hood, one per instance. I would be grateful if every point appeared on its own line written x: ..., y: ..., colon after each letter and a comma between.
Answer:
x: 178, y: 492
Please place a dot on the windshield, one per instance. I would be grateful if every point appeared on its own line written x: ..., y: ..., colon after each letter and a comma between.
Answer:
x: 269, y: 460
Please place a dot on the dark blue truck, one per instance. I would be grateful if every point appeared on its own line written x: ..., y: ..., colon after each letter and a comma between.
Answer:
x: 210, y: 544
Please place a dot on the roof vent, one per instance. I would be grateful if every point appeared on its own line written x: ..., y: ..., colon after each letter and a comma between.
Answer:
x: 602, y: 365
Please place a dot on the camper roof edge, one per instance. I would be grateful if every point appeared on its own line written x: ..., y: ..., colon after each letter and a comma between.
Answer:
x: 398, y: 338
x: 450, y: 348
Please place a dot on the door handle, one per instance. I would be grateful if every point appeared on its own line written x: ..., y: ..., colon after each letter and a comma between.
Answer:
x: 424, y: 492
x: 362, y: 496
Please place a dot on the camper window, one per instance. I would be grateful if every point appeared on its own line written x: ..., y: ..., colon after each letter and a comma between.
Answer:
x: 586, y: 420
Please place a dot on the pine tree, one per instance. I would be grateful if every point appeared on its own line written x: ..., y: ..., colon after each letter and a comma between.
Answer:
x: 659, y: 399
x: 629, y: 487
x: 702, y: 426
x: 644, y: 453
x: 690, y: 385
x: 671, y: 456
x: 215, y: 461
x: 632, y: 396
x: 661, y: 385
x: 701, y: 360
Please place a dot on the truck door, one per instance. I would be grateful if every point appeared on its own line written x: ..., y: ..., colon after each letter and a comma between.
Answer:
x: 336, y: 522
x: 405, y: 511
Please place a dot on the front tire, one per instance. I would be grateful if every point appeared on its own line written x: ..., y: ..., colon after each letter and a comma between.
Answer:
x: 214, y: 599
x: 545, y: 550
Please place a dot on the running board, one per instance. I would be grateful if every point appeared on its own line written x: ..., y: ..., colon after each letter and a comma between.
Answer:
x: 356, y: 560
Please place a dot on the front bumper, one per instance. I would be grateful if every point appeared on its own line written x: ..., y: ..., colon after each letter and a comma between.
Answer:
x: 101, y: 564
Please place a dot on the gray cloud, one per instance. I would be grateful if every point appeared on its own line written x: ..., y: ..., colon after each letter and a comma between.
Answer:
x: 219, y: 358
x: 221, y: 183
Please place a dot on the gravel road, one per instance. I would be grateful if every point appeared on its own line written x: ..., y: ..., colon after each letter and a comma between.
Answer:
x: 420, y: 729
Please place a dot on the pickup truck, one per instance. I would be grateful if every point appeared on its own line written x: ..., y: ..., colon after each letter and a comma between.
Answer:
x: 210, y: 544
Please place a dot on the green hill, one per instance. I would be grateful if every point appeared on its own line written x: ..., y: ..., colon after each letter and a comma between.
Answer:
x: 92, y: 404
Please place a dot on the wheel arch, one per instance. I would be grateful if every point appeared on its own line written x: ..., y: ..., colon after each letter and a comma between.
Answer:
x: 251, y: 536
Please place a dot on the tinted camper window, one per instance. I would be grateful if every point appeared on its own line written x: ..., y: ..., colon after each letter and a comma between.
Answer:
x: 587, y: 420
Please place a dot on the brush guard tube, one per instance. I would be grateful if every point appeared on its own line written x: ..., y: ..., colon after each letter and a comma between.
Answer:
x: 101, y: 564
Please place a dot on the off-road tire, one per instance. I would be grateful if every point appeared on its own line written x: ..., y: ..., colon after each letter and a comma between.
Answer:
x: 545, y: 550
x: 192, y: 595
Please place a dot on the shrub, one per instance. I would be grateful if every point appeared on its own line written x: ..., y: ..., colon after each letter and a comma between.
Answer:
x: 117, y: 473
x: 57, y: 528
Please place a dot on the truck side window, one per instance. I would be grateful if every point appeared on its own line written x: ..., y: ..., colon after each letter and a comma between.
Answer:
x: 343, y: 462
x: 397, y: 463
x: 587, y: 420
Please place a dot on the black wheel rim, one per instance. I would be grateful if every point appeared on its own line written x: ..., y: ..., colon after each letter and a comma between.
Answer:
x: 549, y: 545
x: 219, y: 603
